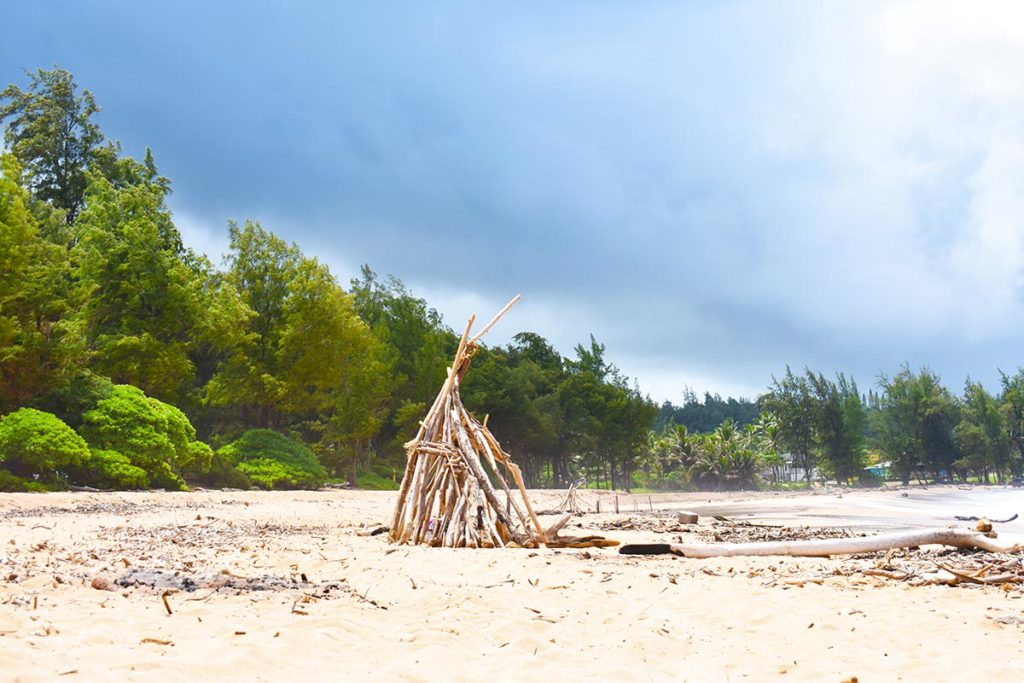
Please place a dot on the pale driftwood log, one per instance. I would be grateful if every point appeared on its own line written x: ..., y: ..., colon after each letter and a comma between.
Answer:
x: 957, y: 538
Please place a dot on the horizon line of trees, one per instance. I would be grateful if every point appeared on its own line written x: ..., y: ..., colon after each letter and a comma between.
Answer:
x: 101, y: 304
x: 158, y: 366
x: 910, y: 427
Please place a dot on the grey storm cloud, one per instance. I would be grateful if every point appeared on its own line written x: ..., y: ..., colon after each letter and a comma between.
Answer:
x: 715, y: 190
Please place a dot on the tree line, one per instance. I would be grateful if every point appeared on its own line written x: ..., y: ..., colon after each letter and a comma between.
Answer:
x: 129, y: 360
x: 910, y: 427
x: 106, y: 317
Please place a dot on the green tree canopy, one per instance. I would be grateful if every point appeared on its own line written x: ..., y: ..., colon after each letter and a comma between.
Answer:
x: 51, y: 132
x: 139, y: 299
x: 152, y: 311
x: 705, y: 414
x: 725, y: 458
x: 307, y: 362
x: 981, y: 433
x: 914, y: 422
x: 839, y: 419
x: 261, y: 267
x: 415, y: 348
x: 790, y: 401
x: 39, y: 342
x: 1012, y: 401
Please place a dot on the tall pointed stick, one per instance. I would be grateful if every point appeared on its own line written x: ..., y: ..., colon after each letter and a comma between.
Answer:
x: 496, y: 318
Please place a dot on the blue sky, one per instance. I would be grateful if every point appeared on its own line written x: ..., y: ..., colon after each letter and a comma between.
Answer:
x: 713, y: 189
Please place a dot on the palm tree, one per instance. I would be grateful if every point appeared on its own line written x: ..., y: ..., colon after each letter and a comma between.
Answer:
x: 725, y: 459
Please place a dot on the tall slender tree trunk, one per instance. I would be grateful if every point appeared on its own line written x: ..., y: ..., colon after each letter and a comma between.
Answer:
x: 355, y: 464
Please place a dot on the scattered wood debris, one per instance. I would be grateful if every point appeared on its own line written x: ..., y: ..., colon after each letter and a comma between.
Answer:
x: 570, y: 503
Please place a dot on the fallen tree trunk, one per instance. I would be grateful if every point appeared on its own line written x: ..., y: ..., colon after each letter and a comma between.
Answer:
x: 958, y: 538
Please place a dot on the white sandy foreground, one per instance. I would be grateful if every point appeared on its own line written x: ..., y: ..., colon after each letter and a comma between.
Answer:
x: 361, y: 609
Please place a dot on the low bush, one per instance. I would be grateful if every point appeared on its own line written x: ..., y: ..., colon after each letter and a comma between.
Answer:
x: 267, y: 473
x: 112, y: 470
x: 869, y: 479
x: 10, y: 483
x: 155, y: 436
x: 679, y: 480
x: 223, y: 474
x: 785, y: 486
x: 37, y: 444
x: 273, y: 461
x: 374, y: 482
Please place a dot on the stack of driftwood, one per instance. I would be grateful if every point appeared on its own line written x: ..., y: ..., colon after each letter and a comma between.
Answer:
x: 571, y: 503
x: 447, y: 497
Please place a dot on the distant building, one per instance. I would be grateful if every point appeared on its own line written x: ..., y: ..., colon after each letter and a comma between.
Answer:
x: 880, y: 470
x: 789, y: 471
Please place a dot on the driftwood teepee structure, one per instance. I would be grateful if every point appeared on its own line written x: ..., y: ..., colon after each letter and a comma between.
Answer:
x: 447, y: 497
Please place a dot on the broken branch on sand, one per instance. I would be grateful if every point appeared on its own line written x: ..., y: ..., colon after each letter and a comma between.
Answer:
x: 972, y: 518
x: 957, y: 538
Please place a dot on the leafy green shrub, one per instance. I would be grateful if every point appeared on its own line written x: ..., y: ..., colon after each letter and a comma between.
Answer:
x: 155, y: 436
x: 110, y: 469
x: 10, y: 483
x: 786, y: 486
x: 34, y: 443
x: 224, y: 474
x: 273, y: 461
x: 267, y: 473
x: 374, y: 482
x: 198, y: 458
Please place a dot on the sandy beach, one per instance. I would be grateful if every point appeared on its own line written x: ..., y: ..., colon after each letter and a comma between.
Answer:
x: 262, y: 586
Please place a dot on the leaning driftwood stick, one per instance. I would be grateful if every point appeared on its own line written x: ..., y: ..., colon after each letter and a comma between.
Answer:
x: 553, y: 530
x: 496, y: 318
x: 510, y: 501
x: 518, y: 476
x: 958, y: 538
x: 473, y: 460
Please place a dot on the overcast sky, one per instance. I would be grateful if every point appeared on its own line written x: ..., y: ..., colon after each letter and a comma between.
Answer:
x: 713, y: 189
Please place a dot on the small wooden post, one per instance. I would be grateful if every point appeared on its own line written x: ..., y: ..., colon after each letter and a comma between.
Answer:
x: 616, y: 503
